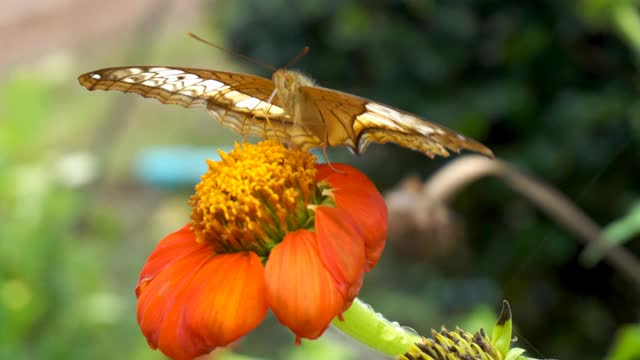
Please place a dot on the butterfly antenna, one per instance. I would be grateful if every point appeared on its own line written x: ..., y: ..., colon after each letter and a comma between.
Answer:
x: 300, y: 55
x: 233, y: 53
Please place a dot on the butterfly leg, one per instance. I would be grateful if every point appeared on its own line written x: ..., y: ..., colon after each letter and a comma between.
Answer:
x: 266, y: 126
x: 241, y: 130
x: 326, y: 157
x: 252, y: 118
x: 273, y: 95
x: 324, y: 151
x: 285, y: 135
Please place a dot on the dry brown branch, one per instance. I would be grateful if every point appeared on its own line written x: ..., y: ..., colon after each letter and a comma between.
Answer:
x: 444, y: 184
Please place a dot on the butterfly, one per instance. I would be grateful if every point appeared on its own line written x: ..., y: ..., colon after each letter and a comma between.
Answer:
x: 289, y: 108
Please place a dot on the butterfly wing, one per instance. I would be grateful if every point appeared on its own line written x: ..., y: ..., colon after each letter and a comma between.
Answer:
x: 241, y: 102
x: 245, y: 103
x: 357, y: 122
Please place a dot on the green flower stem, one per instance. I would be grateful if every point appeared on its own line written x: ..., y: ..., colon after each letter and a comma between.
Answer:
x: 362, y: 323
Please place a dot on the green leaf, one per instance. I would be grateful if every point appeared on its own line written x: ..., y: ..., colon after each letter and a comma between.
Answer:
x: 515, y: 354
x: 616, y: 233
x: 627, y: 344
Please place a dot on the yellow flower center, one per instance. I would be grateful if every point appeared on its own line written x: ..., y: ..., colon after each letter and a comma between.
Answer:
x: 252, y: 197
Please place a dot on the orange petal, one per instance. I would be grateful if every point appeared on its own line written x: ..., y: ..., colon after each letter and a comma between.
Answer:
x: 341, y: 249
x: 193, y: 305
x: 353, y: 292
x: 227, y: 300
x: 369, y: 211
x: 162, y: 300
x: 301, y: 292
x: 355, y: 193
x: 348, y: 177
x: 173, y: 247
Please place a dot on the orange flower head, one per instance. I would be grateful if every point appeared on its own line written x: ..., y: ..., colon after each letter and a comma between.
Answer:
x: 270, y: 229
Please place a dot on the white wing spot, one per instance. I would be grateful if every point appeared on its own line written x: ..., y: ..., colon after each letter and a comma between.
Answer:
x: 211, y: 85
x: 379, y: 115
x: 425, y: 129
x: 258, y: 106
x: 186, y: 82
x: 249, y: 103
x: 371, y: 119
x: 128, y: 72
x: 161, y: 69
x: 170, y: 72
x: 236, y: 96
x: 169, y: 87
x: 152, y: 82
x: 96, y: 76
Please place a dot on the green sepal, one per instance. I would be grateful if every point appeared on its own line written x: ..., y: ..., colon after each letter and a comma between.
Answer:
x: 516, y: 354
x: 501, y: 336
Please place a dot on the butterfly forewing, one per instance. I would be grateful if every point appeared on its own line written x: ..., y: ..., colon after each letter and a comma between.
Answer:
x: 357, y: 122
x: 238, y: 101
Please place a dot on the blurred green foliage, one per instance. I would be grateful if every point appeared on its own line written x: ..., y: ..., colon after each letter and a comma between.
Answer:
x: 57, y: 300
x: 551, y: 86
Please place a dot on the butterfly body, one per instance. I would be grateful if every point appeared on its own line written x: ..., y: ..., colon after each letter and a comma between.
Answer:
x: 307, y: 127
x: 289, y: 108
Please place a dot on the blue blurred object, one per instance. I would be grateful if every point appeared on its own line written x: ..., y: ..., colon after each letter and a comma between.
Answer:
x: 174, y: 166
x: 179, y: 166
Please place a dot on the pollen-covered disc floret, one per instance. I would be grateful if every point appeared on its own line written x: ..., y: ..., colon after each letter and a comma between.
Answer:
x: 253, y: 197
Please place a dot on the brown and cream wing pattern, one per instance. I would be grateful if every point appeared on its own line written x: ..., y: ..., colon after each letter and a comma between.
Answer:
x: 249, y: 105
x: 358, y: 122
x: 241, y: 102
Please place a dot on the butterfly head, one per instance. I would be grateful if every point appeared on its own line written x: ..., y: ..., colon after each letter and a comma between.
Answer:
x: 288, y: 84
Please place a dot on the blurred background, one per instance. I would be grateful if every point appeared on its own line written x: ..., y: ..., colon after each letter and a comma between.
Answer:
x: 90, y: 182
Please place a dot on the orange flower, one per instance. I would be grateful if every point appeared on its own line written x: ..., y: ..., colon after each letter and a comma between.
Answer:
x: 270, y: 229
